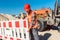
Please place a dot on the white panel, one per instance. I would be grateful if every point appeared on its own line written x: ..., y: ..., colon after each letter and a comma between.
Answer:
x: 13, y: 29
x: 22, y: 28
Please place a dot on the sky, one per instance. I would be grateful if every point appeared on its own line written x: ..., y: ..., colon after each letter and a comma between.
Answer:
x: 15, y: 7
x: 58, y: 2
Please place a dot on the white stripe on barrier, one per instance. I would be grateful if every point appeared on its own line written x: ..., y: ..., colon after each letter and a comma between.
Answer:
x: 14, y: 30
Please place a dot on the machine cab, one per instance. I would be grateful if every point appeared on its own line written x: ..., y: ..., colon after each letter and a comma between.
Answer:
x: 57, y: 9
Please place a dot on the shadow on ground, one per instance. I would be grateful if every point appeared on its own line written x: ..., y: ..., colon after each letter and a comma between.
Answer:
x: 51, y: 27
x: 54, y: 28
x: 45, y: 36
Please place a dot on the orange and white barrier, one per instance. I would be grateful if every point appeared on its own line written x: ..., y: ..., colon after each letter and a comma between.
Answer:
x: 14, y: 30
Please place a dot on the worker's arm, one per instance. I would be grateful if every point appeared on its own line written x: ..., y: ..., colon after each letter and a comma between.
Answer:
x: 32, y: 23
x: 34, y: 20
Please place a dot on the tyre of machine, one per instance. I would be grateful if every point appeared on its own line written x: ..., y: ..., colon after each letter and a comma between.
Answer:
x: 41, y: 25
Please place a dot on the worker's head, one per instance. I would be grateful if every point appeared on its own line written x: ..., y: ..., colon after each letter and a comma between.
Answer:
x: 27, y: 7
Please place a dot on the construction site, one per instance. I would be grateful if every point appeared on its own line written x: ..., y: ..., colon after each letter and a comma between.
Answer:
x: 14, y: 27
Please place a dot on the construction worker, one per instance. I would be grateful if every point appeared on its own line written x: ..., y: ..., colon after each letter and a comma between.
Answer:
x: 31, y: 22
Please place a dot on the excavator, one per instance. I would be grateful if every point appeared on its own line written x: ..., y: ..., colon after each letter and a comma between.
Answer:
x: 46, y: 16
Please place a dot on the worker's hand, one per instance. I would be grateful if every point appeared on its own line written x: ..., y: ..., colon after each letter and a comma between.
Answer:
x: 29, y: 29
x: 35, y: 26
